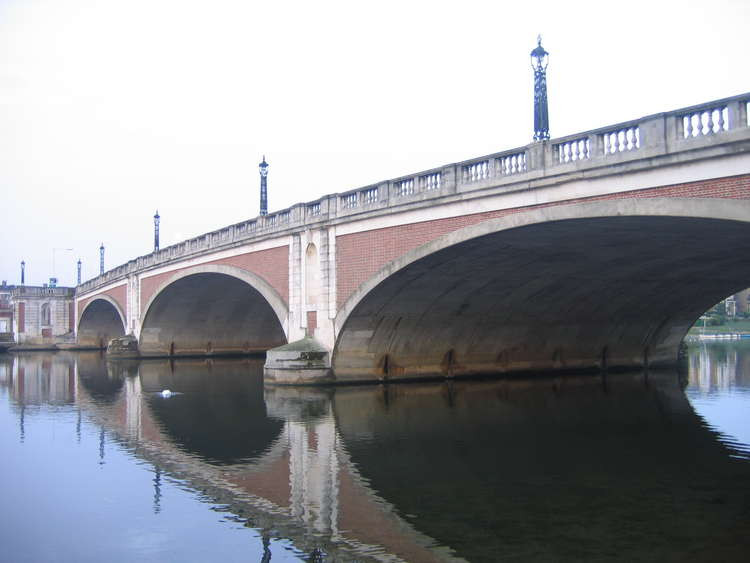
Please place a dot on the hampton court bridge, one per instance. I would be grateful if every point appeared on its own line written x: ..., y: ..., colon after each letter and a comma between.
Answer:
x: 596, y: 249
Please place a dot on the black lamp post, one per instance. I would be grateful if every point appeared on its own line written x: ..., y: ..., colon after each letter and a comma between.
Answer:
x: 101, y: 259
x: 23, y: 271
x: 156, y: 231
x: 263, y: 168
x: 79, y: 272
x: 539, y: 60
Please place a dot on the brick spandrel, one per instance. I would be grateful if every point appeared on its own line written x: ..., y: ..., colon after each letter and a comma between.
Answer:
x: 361, y: 255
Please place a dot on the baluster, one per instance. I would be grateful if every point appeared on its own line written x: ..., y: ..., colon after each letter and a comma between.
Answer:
x: 720, y: 122
x: 715, y: 120
x: 687, y: 126
x: 709, y: 122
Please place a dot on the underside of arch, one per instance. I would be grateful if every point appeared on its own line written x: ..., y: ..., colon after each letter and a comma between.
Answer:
x: 207, y: 313
x: 617, y: 286
x: 100, y: 322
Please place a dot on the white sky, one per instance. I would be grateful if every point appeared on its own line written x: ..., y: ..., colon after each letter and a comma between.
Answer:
x: 112, y: 109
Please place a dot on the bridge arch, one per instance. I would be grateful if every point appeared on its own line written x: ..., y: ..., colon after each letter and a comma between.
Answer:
x: 212, y: 309
x: 614, y: 282
x: 101, y: 320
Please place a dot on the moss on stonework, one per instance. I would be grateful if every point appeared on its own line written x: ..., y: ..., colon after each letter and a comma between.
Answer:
x: 307, y: 344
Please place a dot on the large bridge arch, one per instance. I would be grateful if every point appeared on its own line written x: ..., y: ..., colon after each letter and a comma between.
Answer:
x: 615, y: 282
x: 212, y: 309
x: 101, y: 320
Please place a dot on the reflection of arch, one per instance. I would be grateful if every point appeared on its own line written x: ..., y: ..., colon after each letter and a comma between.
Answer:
x: 234, y: 426
x: 213, y: 309
x: 553, y: 445
x: 100, y: 321
x: 103, y: 385
x: 517, y: 292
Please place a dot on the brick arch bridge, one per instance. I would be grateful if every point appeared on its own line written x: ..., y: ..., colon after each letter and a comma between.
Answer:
x: 599, y: 248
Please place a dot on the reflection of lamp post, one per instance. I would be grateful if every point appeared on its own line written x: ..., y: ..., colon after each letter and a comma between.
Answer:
x: 156, y: 231
x: 263, y: 168
x: 539, y: 61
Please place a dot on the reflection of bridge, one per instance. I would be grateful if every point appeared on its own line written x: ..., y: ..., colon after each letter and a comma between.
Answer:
x: 337, y: 469
x: 572, y: 253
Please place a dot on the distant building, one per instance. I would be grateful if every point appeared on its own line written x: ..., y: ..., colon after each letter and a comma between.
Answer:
x: 738, y: 304
x: 6, y: 313
x: 42, y: 316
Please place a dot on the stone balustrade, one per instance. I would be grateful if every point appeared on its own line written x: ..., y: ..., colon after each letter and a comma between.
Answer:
x: 656, y: 136
x: 29, y: 291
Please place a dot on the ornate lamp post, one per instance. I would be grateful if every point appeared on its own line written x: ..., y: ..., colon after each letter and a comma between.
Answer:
x: 539, y: 60
x: 23, y: 271
x: 101, y: 259
x: 263, y: 168
x: 156, y: 231
x: 79, y: 272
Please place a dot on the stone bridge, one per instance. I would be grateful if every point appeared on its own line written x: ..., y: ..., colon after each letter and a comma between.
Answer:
x: 599, y: 249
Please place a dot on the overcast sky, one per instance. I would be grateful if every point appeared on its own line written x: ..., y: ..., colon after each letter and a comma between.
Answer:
x: 112, y: 109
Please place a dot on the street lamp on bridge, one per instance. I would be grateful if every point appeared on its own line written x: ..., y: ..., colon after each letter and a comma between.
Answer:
x: 156, y: 231
x: 263, y: 168
x: 539, y: 61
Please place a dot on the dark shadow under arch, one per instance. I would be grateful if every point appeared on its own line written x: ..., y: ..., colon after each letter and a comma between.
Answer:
x: 100, y: 322
x: 209, y: 313
x: 585, y: 286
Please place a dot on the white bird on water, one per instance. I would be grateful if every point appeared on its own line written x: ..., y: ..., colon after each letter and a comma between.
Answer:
x: 166, y: 393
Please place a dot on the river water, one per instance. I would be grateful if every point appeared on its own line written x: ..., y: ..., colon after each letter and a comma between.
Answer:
x: 98, y: 465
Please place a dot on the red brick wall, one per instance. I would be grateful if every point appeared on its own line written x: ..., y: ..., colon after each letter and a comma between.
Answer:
x: 21, y: 317
x: 119, y: 294
x: 360, y: 255
x: 272, y: 265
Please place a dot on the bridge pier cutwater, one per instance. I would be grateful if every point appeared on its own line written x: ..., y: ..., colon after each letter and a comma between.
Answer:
x: 595, y: 250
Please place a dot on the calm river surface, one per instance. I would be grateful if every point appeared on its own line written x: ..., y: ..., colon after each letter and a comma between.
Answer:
x: 97, y: 465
